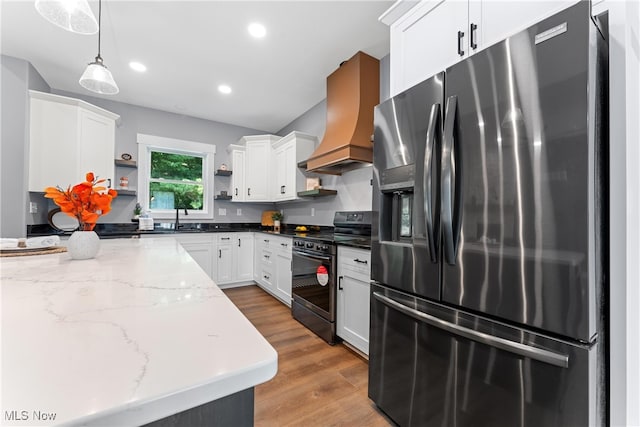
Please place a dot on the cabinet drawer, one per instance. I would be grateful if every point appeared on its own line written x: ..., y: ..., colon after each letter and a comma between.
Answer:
x: 266, y: 257
x: 283, y: 246
x: 267, y: 277
x: 225, y: 238
x: 354, y: 261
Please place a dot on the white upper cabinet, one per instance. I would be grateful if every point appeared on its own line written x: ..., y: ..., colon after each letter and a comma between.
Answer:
x: 435, y: 34
x: 258, y: 167
x: 424, y: 40
x: 238, y: 187
x: 288, y: 152
x: 265, y: 167
x: 68, y: 138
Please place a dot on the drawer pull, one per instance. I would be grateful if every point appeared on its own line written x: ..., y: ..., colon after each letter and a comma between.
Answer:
x: 361, y: 261
x: 225, y: 238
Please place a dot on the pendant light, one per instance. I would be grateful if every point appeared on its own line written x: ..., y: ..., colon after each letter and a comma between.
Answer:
x: 97, y: 78
x: 72, y: 15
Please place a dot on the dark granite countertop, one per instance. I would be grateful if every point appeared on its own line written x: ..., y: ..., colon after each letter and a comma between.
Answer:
x: 123, y: 230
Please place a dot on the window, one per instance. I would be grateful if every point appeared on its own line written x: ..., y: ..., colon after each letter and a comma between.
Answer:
x: 175, y: 174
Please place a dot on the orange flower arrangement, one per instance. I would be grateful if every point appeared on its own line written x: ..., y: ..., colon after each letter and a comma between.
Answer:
x: 85, y: 201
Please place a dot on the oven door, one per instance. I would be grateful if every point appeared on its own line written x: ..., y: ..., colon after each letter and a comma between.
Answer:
x: 311, y: 287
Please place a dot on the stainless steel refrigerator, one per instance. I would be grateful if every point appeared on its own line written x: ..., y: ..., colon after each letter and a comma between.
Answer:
x: 490, y: 242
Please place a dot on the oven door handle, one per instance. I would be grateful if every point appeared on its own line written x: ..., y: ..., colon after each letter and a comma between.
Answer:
x: 312, y: 257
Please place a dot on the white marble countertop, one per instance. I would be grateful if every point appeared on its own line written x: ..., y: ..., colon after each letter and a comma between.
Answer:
x: 134, y: 335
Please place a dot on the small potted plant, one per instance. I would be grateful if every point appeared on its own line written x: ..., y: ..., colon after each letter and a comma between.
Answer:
x: 276, y: 217
x: 136, y: 212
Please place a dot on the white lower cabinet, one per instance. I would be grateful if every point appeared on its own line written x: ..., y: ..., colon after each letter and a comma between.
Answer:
x: 273, y: 265
x: 224, y: 263
x: 354, y: 272
x: 234, y: 262
x: 243, y: 256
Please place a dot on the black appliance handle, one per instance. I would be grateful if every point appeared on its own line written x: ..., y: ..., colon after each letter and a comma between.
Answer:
x: 340, y: 283
x: 450, y: 183
x: 460, y: 37
x: 472, y: 34
x: 313, y: 257
x: 433, y: 134
x: 539, y: 354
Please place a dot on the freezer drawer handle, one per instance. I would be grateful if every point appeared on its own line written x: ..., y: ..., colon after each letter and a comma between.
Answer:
x: 546, y: 356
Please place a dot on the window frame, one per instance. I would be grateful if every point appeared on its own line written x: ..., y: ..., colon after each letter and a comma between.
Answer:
x: 149, y: 143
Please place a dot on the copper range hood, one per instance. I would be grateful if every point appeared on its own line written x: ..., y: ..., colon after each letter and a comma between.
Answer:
x: 353, y: 90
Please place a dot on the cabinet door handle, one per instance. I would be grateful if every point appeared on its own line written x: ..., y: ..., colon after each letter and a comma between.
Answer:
x: 340, y: 283
x: 460, y: 37
x: 238, y: 242
x: 236, y: 191
x: 361, y: 261
x: 472, y: 32
x: 219, y: 253
x: 109, y: 182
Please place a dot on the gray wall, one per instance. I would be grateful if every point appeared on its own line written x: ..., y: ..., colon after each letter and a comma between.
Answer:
x: 18, y: 76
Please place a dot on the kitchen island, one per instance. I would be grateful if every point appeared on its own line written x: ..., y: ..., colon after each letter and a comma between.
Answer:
x: 136, y: 335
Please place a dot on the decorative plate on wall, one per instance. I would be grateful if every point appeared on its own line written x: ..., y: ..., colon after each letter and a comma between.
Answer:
x: 61, y: 221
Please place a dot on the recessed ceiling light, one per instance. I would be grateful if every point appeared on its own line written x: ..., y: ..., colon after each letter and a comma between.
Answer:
x: 257, y: 30
x: 138, y: 66
x: 224, y: 89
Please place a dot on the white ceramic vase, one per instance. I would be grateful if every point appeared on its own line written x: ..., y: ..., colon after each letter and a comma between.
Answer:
x: 83, y: 244
x: 276, y: 225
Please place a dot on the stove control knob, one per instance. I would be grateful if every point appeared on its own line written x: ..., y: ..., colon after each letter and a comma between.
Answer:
x: 325, y: 248
x: 310, y: 245
x: 318, y: 247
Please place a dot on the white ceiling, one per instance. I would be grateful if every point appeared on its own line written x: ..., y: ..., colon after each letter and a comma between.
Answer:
x: 190, y: 47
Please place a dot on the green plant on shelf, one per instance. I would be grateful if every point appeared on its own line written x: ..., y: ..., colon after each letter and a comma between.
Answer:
x: 277, y: 216
x: 137, y: 210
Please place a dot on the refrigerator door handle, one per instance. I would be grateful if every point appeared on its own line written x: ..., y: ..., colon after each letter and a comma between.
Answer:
x: 448, y: 181
x: 433, y: 134
x: 535, y: 353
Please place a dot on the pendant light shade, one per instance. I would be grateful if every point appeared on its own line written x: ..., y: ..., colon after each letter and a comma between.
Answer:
x: 96, y: 77
x: 72, y: 15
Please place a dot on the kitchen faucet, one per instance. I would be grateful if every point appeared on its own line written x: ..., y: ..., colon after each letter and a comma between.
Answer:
x: 177, y: 224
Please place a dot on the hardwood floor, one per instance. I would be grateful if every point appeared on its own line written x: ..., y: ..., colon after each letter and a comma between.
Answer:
x: 316, y: 384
